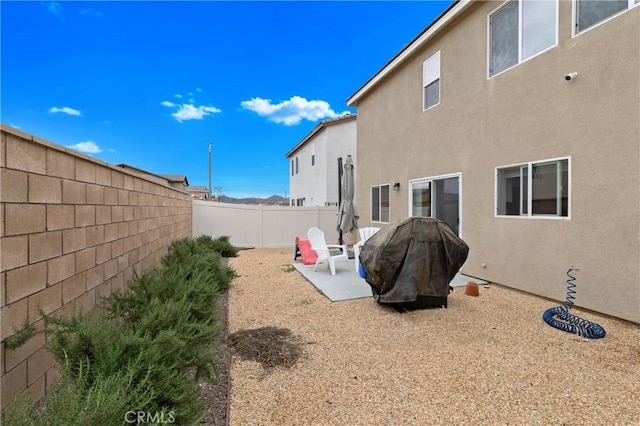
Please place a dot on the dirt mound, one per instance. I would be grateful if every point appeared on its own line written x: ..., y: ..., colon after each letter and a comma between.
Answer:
x: 270, y: 346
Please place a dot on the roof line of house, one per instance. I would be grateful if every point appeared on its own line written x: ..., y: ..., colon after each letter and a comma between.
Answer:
x: 169, y: 179
x: 429, y: 32
x: 176, y: 179
x: 139, y: 170
x: 320, y: 126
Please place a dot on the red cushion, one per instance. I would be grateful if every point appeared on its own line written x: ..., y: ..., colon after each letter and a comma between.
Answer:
x: 309, y: 256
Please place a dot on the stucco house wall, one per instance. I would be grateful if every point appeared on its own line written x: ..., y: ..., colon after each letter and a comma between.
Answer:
x: 527, y: 113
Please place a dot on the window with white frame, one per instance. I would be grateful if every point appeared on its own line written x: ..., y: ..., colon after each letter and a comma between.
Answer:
x: 380, y: 203
x: 533, y: 189
x: 438, y: 197
x: 520, y: 29
x: 589, y: 13
x: 431, y: 81
x: 297, y: 161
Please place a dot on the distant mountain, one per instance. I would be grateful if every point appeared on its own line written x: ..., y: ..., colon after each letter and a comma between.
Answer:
x: 274, y: 199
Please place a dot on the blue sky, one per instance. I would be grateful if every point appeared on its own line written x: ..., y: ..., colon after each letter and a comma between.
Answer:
x: 151, y: 84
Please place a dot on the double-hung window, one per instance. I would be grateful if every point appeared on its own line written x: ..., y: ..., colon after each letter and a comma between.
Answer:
x: 534, y: 189
x: 520, y: 29
x: 589, y: 13
x: 380, y: 203
x: 431, y: 81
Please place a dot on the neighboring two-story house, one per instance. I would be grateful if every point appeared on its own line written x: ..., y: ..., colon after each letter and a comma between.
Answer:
x: 517, y: 123
x: 314, y: 162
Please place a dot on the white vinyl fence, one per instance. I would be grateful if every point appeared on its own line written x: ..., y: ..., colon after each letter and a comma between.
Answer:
x: 262, y: 226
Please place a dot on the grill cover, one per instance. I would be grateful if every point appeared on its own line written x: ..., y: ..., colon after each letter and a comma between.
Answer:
x: 411, y: 262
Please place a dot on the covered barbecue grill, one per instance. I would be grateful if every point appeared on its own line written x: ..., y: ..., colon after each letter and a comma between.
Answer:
x: 410, y: 263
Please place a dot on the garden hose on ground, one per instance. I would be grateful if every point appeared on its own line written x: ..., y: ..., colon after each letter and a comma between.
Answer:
x: 560, y: 318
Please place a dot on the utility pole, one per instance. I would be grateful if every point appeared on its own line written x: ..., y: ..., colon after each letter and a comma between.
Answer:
x: 210, y: 146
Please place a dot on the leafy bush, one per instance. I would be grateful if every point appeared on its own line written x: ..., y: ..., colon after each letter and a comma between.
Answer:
x: 220, y: 244
x: 146, y: 352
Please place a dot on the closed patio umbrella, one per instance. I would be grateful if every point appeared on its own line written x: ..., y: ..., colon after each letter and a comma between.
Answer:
x: 347, y: 217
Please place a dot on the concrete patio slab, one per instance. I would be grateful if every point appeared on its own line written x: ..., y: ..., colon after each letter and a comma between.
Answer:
x: 344, y: 285
x: 347, y: 284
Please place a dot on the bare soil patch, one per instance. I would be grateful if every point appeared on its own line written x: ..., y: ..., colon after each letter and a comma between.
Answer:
x: 270, y: 346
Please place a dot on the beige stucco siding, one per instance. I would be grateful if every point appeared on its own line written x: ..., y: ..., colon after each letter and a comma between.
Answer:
x: 528, y: 113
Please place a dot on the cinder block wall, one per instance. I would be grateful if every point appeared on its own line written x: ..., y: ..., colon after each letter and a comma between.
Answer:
x: 72, y: 228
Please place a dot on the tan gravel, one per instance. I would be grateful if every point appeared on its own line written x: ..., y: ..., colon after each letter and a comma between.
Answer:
x: 485, y: 360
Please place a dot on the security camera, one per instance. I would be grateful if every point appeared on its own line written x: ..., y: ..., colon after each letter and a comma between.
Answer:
x: 571, y: 76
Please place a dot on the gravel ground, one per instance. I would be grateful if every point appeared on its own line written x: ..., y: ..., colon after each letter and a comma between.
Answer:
x: 485, y: 360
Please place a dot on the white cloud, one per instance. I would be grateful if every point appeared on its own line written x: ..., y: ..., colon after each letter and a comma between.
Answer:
x: 90, y: 11
x: 55, y: 8
x: 66, y: 110
x: 191, y: 112
x: 292, y: 111
x: 88, y: 147
x: 177, y: 96
x: 167, y: 104
x: 198, y: 89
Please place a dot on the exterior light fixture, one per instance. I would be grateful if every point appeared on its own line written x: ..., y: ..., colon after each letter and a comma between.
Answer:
x: 396, y: 186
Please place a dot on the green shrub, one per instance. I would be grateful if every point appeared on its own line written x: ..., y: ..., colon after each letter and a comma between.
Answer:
x: 220, y: 244
x: 146, y: 352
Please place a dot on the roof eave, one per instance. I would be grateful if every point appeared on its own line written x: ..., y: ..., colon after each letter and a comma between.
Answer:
x: 419, y: 41
x: 317, y: 128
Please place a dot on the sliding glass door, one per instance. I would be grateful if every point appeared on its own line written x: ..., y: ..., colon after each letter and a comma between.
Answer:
x: 437, y: 197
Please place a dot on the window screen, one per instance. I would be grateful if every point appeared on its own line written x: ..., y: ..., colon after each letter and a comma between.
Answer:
x: 504, y: 38
x: 432, y: 94
x: 591, y: 12
x: 375, y: 204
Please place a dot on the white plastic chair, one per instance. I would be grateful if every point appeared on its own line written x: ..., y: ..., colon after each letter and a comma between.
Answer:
x: 365, y: 234
x: 322, y: 249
